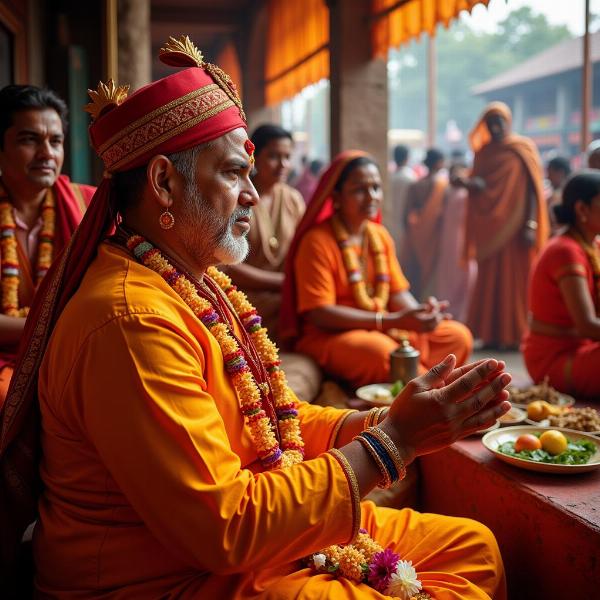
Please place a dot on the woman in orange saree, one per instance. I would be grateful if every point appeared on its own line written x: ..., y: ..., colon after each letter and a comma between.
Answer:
x: 345, y: 296
x: 563, y: 341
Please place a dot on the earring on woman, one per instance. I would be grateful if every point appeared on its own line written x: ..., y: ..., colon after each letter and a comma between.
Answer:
x: 166, y: 219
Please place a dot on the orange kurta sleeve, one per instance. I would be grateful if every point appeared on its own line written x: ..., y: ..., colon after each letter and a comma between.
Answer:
x: 164, y: 442
x: 319, y: 426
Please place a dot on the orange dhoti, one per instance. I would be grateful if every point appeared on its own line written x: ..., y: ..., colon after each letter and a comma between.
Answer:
x: 423, y: 539
x: 363, y: 357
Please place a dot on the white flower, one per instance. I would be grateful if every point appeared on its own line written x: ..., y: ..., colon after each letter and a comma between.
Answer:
x: 404, y: 582
x: 319, y: 560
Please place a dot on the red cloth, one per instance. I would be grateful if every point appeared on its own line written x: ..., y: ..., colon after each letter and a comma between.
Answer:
x: 170, y: 115
x: 570, y: 363
x: 319, y: 209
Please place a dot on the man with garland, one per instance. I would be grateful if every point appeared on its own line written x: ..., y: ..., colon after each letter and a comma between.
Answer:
x: 39, y: 207
x: 175, y: 460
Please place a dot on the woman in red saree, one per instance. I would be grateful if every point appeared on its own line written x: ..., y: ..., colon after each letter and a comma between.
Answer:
x: 345, y: 296
x: 563, y: 341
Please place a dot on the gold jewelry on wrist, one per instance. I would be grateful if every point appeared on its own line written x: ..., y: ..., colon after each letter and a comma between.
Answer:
x: 379, y: 321
x: 391, y: 449
x: 374, y: 416
x: 531, y: 224
x: 386, y: 480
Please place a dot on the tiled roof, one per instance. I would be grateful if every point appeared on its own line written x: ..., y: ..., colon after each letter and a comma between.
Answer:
x: 566, y: 56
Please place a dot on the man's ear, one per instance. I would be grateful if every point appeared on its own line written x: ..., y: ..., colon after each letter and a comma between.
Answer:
x: 164, y: 181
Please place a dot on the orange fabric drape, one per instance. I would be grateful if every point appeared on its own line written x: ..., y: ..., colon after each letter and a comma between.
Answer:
x: 229, y: 61
x: 297, y: 47
x: 411, y: 19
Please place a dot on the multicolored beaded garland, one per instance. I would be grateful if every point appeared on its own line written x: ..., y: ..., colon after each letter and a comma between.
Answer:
x: 249, y: 391
x: 9, y: 264
x: 379, y: 300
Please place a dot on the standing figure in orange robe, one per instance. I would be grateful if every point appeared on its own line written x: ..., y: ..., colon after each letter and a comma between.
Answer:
x: 423, y: 223
x: 563, y: 341
x: 347, y: 301
x: 175, y: 460
x: 39, y: 207
x: 507, y: 224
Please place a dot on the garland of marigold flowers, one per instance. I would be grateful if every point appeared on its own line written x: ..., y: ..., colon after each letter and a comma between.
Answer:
x: 364, y: 560
x: 250, y: 393
x: 9, y: 263
x: 382, y: 277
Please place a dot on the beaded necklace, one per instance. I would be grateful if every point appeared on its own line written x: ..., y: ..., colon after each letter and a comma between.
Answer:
x: 254, y: 369
x: 593, y: 256
x: 9, y: 263
x: 378, y: 301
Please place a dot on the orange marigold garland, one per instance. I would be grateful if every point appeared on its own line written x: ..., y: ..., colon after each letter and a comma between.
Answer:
x: 381, y: 296
x: 271, y: 455
x: 9, y: 264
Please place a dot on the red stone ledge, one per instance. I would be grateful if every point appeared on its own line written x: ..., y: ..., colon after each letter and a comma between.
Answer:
x: 547, y: 526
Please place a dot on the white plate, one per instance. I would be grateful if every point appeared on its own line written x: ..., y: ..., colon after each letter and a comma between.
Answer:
x: 368, y: 393
x: 564, y: 401
x: 493, y: 439
x: 512, y: 417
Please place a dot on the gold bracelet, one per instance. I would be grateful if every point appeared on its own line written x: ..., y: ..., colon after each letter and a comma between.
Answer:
x: 370, y: 418
x: 389, y: 445
x: 379, y: 321
x: 386, y: 480
x: 381, y: 415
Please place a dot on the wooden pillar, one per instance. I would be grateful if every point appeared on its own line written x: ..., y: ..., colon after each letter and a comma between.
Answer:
x: 111, y: 70
x: 359, y: 90
x: 134, y: 61
x: 431, y: 91
x: 586, y: 92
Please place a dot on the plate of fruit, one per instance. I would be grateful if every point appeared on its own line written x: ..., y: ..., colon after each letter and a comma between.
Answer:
x: 578, y: 419
x: 543, y: 392
x: 544, y: 449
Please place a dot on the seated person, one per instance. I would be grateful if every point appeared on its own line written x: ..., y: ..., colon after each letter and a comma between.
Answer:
x: 39, y: 207
x: 176, y: 463
x: 563, y: 341
x: 346, y: 292
x: 272, y: 225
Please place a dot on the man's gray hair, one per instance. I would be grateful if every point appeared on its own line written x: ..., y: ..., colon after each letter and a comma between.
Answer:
x: 185, y: 162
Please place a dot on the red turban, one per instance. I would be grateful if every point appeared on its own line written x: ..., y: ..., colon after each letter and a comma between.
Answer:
x: 181, y: 111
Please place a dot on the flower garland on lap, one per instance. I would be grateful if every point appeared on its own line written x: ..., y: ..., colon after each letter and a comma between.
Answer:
x: 9, y: 264
x: 364, y: 560
x: 379, y: 300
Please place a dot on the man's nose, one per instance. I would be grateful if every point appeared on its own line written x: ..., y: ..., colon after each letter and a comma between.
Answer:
x: 45, y: 150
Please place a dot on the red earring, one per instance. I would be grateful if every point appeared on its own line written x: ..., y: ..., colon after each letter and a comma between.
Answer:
x: 166, y: 220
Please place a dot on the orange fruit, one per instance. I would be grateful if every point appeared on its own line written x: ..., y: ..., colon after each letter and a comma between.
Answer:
x: 538, y: 410
x: 553, y: 441
x: 527, y: 441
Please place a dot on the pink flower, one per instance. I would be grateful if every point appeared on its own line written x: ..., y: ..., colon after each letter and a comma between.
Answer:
x: 381, y: 569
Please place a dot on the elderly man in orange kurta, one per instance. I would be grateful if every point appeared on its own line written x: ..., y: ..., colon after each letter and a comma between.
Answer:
x: 507, y: 224
x: 176, y: 462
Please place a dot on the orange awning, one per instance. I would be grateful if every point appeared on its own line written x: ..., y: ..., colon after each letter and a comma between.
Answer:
x: 297, y: 47
x: 398, y: 21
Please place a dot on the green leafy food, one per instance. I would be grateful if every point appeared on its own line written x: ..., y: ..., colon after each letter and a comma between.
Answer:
x: 397, y: 388
x: 577, y: 453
